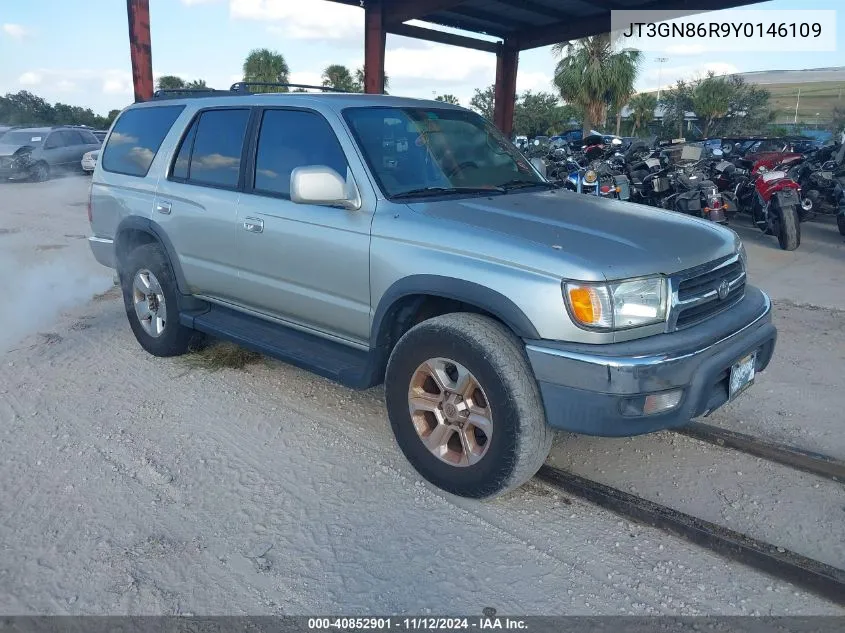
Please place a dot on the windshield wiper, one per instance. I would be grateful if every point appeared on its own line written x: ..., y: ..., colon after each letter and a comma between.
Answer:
x: 520, y: 184
x: 439, y: 191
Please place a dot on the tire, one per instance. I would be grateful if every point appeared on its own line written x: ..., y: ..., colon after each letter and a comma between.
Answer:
x: 519, y: 439
x: 789, y: 229
x: 40, y: 172
x: 147, y: 271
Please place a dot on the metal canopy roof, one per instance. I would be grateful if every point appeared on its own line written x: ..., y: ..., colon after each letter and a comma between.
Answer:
x: 529, y: 23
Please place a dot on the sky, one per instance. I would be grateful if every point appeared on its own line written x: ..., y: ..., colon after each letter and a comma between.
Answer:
x: 77, y: 51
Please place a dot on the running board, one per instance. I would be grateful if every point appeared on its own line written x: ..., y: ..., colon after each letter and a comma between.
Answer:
x: 358, y: 369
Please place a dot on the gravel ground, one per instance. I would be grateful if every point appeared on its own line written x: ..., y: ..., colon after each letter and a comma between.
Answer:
x: 134, y: 485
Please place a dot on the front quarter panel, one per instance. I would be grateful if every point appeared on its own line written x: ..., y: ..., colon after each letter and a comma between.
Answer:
x: 409, y: 252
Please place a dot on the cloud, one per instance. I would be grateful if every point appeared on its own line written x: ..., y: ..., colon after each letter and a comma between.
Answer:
x: 314, y: 19
x: 535, y: 81
x: 30, y: 79
x: 109, y: 81
x: 15, y: 31
x: 307, y: 77
x: 438, y: 62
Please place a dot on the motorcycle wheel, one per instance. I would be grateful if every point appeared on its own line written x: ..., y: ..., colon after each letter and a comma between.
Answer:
x: 789, y: 229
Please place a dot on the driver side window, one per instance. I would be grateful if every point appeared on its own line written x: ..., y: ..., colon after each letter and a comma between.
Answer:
x: 289, y: 139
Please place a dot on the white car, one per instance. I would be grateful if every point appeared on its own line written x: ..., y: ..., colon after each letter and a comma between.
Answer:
x: 89, y: 160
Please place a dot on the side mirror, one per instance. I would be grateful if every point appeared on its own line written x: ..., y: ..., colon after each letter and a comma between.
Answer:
x: 539, y: 165
x: 318, y: 184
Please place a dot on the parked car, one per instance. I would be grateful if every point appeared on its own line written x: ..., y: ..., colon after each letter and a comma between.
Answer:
x: 89, y: 161
x: 37, y: 152
x: 100, y: 134
x: 494, y: 306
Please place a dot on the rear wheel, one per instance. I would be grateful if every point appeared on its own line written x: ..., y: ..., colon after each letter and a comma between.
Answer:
x: 150, y: 299
x: 789, y: 228
x: 464, y: 405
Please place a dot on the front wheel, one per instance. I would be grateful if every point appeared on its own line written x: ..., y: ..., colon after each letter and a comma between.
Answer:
x: 464, y: 405
x: 789, y: 229
x: 40, y: 172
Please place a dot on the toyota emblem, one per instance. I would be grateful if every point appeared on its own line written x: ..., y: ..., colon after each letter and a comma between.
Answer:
x: 723, y: 290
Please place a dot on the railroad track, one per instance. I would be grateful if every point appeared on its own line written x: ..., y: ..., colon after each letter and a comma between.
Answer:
x: 812, y: 575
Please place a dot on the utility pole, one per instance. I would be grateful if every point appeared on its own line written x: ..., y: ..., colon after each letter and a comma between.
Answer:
x: 661, y: 61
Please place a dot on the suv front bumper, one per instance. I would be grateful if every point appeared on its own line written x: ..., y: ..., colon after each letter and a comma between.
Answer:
x: 586, y: 388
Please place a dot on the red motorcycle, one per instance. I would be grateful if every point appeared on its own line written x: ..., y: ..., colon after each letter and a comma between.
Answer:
x: 776, y: 206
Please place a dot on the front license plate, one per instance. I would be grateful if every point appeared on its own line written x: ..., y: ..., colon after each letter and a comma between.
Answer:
x: 742, y: 375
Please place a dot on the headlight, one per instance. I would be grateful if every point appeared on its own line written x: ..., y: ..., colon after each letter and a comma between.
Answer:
x: 590, y: 176
x: 617, y: 305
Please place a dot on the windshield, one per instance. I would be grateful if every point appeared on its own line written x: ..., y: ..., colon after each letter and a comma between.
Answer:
x: 416, y: 149
x: 22, y: 137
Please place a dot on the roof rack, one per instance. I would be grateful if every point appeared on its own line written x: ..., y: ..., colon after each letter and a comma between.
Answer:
x: 178, y: 93
x: 237, y: 88
x: 243, y: 86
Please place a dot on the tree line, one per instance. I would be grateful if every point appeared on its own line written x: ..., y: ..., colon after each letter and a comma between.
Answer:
x: 595, y: 90
x: 25, y: 108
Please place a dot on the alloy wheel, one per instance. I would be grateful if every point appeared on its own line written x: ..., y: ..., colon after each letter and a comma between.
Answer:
x: 450, y: 412
x: 148, y: 299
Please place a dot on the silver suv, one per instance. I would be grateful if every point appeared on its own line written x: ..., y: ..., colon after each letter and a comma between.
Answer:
x: 380, y: 239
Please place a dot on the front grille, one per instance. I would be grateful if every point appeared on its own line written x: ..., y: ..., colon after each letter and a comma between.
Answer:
x: 695, y: 293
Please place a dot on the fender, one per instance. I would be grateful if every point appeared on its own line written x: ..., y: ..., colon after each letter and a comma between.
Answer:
x: 145, y: 225
x: 469, y: 292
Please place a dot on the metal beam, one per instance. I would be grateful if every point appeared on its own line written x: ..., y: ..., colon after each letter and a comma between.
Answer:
x: 399, y: 11
x: 374, y: 40
x: 496, y: 19
x: 584, y: 27
x: 535, y: 7
x: 140, y: 48
x: 507, y: 61
x: 441, y: 37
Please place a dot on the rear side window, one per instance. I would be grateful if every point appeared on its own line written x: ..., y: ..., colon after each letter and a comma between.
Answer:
x: 217, y: 148
x: 88, y: 138
x: 72, y: 137
x: 290, y: 139
x: 136, y: 139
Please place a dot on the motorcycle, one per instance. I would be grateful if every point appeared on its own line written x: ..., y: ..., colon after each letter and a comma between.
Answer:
x: 695, y: 194
x: 839, y: 197
x: 776, y: 207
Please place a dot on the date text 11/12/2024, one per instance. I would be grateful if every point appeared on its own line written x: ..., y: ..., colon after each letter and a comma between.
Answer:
x: 416, y: 624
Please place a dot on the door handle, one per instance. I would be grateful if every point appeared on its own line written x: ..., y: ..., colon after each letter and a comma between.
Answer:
x: 254, y: 225
x: 162, y: 206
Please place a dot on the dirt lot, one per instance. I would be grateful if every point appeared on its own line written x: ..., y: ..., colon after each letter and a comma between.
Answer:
x: 132, y: 484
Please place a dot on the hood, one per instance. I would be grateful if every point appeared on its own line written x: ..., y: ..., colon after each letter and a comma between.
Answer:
x: 7, y: 149
x: 619, y: 239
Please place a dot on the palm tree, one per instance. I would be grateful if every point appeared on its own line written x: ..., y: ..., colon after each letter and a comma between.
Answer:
x: 711, y: 99
x: 337, y: 76
x: 196, y: 83
x: 170, y: 82
x: 591, y: 75
x: 264, y: 65
x: 448, y: 98
x: 359, y: 81
x: 642, y: 110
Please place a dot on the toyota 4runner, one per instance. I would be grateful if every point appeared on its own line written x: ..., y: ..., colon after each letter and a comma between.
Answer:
x: 380, y: 239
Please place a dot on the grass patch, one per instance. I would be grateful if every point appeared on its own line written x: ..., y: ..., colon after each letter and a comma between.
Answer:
x: 222, y: 355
